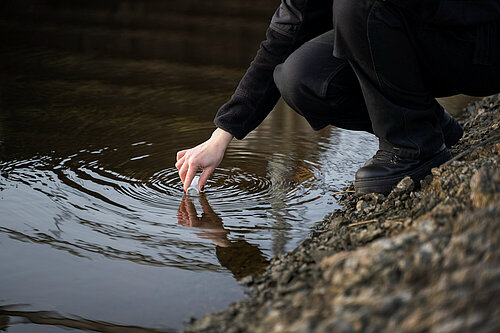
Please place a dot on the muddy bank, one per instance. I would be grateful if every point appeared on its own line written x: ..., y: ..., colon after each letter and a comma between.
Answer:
x: 424, y: 258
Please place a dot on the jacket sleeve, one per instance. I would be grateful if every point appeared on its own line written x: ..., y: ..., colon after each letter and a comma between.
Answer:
x: 294, y: 23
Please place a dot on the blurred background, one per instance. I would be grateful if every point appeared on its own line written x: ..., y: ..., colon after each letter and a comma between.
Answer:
x: 220, y: 32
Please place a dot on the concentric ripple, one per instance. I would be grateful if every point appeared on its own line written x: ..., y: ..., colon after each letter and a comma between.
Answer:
x: 96, y: 210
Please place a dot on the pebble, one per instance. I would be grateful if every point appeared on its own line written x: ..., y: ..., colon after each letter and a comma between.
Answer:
x: 361, y: 205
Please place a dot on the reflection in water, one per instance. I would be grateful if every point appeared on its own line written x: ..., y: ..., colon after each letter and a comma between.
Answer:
x: 9, y: 317
x: 4, y: 321
x: 209, y: 222
x: 240, y: 257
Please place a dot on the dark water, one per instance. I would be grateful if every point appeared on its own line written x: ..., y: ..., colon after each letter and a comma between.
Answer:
x: 94, y: 230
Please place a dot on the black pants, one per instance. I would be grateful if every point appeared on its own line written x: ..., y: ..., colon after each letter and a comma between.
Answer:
x: 379, y: 71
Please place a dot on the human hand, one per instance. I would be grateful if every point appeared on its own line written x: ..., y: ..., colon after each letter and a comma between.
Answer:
x: 206, y: 156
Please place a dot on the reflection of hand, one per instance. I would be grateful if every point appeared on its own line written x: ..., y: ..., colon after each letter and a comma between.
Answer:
x: 240, y: 257
x: 206, y: 156
x: 209, y: 221
x: 186, y: 215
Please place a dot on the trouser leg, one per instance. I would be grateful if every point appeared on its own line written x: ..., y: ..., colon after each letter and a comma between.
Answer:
x: 402, y: 64
x: 398, y: 77
x: 322, y: 88
x: 325, y: 90
x: 374, y: 38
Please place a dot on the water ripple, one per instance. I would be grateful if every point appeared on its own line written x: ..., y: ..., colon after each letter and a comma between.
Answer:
x: 81, y: 206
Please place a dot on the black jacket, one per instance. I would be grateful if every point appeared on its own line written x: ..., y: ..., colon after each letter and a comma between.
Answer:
x: 297, y: 21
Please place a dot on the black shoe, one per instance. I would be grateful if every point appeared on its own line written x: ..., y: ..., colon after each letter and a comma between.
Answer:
x: 384, y: 171
x: 452, y: 131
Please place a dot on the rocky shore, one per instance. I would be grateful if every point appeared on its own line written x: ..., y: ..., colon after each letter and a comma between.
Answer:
x: 425, y: 258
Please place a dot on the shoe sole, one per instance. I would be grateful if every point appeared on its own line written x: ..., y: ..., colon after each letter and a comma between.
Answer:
x: 385, y: 185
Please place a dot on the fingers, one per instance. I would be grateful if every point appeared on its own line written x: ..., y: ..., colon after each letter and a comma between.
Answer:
x: 183, y: 171
x: 180, y: 154
x: 180, y: 159
x: 187, y: 170
x: 191, y: 172
x: 180, y: 162
x: 206, y: 155
x: 207, y: 172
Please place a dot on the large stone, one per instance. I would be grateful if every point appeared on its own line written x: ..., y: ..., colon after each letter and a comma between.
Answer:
x: 485, y: 186
x: 406, y: 185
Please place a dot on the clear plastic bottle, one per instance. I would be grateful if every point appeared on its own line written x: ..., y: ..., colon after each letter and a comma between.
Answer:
x: 193, y: 189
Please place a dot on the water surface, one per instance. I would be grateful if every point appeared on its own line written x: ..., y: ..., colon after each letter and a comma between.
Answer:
x: 94, y: 229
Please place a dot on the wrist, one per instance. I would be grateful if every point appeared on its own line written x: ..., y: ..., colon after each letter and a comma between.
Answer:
x: 221, y: 136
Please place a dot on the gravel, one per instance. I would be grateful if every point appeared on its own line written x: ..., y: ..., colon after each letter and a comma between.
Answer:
x: 425, y: 258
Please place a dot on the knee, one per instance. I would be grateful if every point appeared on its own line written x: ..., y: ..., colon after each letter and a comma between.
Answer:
x: 291, y: 79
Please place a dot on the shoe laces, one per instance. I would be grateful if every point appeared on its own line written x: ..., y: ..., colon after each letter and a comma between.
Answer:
x: 386, y: 156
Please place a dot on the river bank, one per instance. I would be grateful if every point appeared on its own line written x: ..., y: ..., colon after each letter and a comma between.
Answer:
x: 423, y: 258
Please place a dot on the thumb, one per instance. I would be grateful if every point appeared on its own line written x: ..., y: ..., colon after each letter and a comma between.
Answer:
x: 207, y: 172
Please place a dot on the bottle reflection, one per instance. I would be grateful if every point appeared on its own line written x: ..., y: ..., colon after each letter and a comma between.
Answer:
x: 240, y: 257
